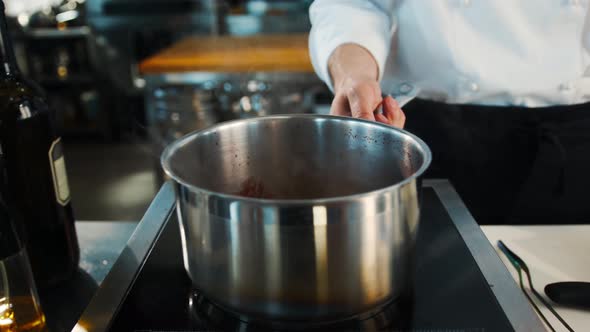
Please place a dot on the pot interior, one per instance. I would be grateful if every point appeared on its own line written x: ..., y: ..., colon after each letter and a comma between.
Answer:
x: 296, y: 157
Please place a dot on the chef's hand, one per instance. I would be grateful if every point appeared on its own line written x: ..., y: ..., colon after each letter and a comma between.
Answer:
x: 357, y: 92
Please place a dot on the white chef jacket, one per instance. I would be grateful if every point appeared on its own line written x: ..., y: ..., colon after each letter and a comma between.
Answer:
x: 493, y: 52
x: 17, y: 7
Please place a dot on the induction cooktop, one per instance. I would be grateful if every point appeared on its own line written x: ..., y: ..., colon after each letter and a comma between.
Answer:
x: 460, y: 284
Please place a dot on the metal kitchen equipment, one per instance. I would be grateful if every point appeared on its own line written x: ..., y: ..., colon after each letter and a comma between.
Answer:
x: 267, y: 16
x: 460, y: 282
x: 127, y: 31
x: 175, y: 110
x: 336, y: 238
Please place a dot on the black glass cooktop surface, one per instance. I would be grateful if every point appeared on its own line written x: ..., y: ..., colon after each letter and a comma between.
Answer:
x: 459, y: 285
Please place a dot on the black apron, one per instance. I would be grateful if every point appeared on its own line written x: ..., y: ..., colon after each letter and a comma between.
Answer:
x: 510, y: 165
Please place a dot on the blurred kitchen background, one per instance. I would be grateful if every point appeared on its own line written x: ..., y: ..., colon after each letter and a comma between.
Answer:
x: 126, y: 77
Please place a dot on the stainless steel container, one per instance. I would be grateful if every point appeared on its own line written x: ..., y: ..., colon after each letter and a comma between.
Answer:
x: 337, y: 235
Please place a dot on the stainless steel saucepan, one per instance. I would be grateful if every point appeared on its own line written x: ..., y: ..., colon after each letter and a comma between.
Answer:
x: 333, y: 234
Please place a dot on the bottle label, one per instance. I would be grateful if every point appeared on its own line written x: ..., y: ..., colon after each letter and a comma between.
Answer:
x: 58, y: 170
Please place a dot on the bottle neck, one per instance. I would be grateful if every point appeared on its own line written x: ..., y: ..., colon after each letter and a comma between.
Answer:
x: 7, y: 57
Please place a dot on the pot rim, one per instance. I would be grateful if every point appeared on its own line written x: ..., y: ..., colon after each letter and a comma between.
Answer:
x: 174, y: 146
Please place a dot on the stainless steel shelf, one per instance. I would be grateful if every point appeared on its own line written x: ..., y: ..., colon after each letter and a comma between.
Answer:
x: 54, y: 33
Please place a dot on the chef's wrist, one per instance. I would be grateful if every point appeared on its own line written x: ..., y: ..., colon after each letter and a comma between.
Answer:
x: 351, y: 63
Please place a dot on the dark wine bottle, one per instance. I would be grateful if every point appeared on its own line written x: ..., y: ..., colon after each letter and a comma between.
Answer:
x: 9, y: 242
x: 37, y: 184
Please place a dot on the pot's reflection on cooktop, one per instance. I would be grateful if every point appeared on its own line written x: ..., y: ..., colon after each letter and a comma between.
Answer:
x: 450, y: 291
x: 393, y: 316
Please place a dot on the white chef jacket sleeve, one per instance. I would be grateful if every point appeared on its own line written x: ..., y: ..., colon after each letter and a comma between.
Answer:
x: 368, y: 23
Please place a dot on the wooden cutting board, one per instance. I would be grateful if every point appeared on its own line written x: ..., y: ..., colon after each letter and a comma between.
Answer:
x: 228, y: 54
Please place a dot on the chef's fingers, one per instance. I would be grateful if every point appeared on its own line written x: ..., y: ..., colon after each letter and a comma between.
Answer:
x: 340, y: 106
x: 393, y: 112
x: 389, y: 109
x: 363, y: 99
x: 381, y: 118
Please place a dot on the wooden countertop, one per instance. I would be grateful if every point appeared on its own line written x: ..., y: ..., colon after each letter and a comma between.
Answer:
x: 228, y: 54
